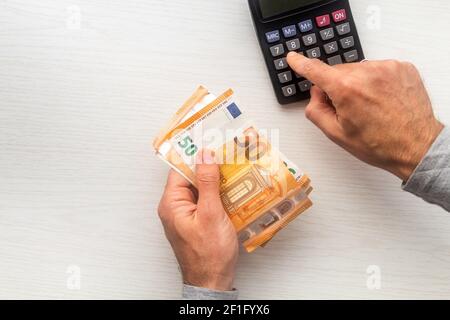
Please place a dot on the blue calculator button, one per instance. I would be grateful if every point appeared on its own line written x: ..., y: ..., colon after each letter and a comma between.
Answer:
x: 305, y: 26
x: 273, y: 36
x: 290, y: 31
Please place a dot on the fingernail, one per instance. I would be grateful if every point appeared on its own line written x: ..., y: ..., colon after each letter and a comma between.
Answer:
x: 208, y: 157
x: 292, y: 54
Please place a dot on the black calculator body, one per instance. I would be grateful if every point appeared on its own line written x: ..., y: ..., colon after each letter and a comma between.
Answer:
x: 321, y: 29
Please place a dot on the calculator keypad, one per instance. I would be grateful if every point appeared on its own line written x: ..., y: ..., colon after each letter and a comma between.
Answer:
x: 285, y: 77
x: 326, y: 37
x: 277, y: 50
x: 313, y: 53
x: 327, y: 34
x: 347, y: 42
x: 309, y: 39
x: 331, y: 47
x: 293, y: 45
x: 343, y: 29
x: 351, y: 56
x: 332, y: 61
x: 281, y: 64
x: 290, y: 31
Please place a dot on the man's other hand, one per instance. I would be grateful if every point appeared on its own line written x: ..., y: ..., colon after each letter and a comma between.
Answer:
x: 379, y: 111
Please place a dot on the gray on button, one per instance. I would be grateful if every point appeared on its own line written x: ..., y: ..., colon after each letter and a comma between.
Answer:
x: 313, y: 53
x: 332, y: 61
x: 327, y: 34
x: 285, y: 77
x: 277, y: 50
x: 343, y: 28
x: 310, y: 39
x: 280, y: 64
x: 289, y: 91
x: 347, y: 42
x: 293, y: 44
x: 304, y: 85
x: 351, y: 56
x: 331, y: 47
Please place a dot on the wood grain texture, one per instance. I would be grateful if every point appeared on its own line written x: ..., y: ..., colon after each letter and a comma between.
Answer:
x: 79, y: 184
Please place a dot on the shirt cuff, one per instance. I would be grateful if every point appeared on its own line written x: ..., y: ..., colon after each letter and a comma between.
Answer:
x: 197, y: 293
x: 431, y: 179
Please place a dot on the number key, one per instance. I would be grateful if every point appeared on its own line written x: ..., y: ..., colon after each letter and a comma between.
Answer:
x: 289, y: 91
x: 310, y: 39
x: 277, y: 50
x: 313, y: 53
x: 285, y: 77
x: 280, y: 64
x: 293, y: 45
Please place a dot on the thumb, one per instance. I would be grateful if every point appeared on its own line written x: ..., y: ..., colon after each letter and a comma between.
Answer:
x: 320, y: 112
x: 208, y: 183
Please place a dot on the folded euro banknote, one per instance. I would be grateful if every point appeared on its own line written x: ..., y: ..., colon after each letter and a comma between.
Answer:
x: 261, y: 190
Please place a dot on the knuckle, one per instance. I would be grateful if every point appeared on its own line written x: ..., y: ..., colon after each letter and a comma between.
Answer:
x: 164, y: 210
x: 410, y: 67
x: 393, y: 65
x: 161, y: 210
x: 208, y: 177
x: 308, y: 112
x: 347, y: 86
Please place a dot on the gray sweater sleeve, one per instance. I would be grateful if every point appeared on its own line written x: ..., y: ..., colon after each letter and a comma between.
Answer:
x: 197, y: 293
x: 431, y: 179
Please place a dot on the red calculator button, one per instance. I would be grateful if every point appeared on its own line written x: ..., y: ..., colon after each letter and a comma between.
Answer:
x: 323, y: 21
x: 339, y: 15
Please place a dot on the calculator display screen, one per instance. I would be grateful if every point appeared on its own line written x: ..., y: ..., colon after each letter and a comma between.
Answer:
x: 271, y: 8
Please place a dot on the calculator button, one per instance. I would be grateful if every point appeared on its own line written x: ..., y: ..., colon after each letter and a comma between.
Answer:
x: 281, y: 64
x: 343, y: 28
x: 289, y: 91
x: 327, y: 34
x: 351, y: 56
x: 273, y: 36
x: 277, y: 50
x: 305, y: 26
x: 285, y: 77
x: 310, y: 39
x: 347, y: 42
x: 331, y: 47
x: 339, y: 15
x: 313, y: 53
x: 334, y: 60
x: 289, y: 31
x: 323, y: 21
x: 305, y: 85
x: 293, y: 44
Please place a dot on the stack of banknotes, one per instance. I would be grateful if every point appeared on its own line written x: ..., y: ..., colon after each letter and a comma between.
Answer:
x: 261, y: 190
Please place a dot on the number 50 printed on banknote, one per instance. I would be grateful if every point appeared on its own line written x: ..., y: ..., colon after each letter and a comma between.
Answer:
x: 261, y: 190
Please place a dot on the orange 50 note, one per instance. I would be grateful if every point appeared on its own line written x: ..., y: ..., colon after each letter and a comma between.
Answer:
x: 261, y: 190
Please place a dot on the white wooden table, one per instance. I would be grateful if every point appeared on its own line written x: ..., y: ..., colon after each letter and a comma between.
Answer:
x: 84, y: 87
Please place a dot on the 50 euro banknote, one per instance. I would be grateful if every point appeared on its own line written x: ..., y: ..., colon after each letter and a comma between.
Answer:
x: 261, y: 190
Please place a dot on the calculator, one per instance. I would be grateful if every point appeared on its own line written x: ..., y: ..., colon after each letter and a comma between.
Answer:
x: 321, y: 29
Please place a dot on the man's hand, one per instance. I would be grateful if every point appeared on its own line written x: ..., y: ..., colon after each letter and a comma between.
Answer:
x: 198, y: 228
x: 379, y: 111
